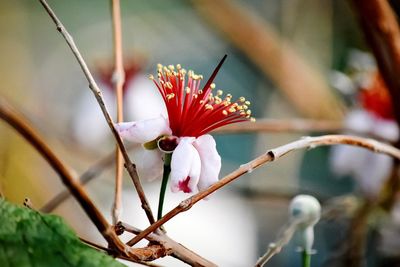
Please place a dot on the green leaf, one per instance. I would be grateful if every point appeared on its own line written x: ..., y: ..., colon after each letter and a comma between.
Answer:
x: 28, y: 239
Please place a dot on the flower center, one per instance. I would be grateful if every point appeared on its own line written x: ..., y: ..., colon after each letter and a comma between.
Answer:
x: 167, y: 144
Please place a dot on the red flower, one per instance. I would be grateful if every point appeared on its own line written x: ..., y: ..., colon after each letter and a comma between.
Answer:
x: 193, y: 111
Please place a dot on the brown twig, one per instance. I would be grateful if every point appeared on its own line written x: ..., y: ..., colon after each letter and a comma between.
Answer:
x: 381, y: 29
x: 118, y: 80
x: 271, y: 155
x: 131, y: 168
x: 85, y: 178
x: 273, y: 56
x: 281, y: 241
x: 382, y: 33
x: 9, y: 115
x: 178, y: 250
x: 275, y: 125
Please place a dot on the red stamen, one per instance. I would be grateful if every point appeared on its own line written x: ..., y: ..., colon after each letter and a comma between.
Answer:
x: 194, y: 112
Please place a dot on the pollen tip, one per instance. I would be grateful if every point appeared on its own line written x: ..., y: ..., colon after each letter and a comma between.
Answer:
x: 208, y: 106
x: 151, y: 77
x: 225, y: 112
x: 252, y: 119
x: 212, y: 86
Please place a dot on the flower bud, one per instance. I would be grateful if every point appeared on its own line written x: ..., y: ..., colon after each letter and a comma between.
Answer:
x: 305, y: 210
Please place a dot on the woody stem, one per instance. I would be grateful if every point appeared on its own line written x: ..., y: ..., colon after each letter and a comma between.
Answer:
x: 167, y: 171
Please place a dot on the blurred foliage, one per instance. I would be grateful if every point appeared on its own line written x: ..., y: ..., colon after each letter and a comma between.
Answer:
x: 28, y: 238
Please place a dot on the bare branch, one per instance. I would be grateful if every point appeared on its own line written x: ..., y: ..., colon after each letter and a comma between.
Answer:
x: 178, y: 251
x: 281, y: 241
x: 118, y: 80
x: 131, y: 168
x: 381, y: 29
x: 9, y: 115
x: 271, y: 155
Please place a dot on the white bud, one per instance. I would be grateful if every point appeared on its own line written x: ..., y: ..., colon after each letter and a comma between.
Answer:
x: 306, y: 211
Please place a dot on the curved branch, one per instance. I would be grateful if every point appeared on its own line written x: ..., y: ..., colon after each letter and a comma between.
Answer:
x: 271, y: 155
x: 9, y: 115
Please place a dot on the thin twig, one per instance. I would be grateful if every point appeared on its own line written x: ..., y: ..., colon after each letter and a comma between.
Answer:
x: 281, y: 241
x: 118, y: 80
x: 381, y: 29
x: 271, y: 155
x: 9, y: 115
x: 131, y: 168
x: 178, y: 250
x: 90, y: 174
x: 95, y: 246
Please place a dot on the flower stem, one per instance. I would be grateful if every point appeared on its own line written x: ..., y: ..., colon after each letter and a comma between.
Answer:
x: 167, y: 171
x: 306, y: 258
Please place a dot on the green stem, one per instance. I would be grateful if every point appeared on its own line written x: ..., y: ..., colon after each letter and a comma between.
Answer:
x: 167, y: 171
x: 306, y: 259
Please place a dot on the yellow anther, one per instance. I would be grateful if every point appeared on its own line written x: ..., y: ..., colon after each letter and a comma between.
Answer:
x: 248, y: 112
x: 171, y: 67
x: 231, y: 109
x: 242, y: 99
x: 252, y: 119
x: 187, y: 90
x: 212, y: 86
x: 170, y: 96
x: 195, y: 95
x: 200, y: 92
x: 178, y: 66
x: 208, y: 106
x: 220, y: 92
x: 201, y: 102
x: 151, y: 77
x: 245, y: 107
x: 159, y: 66
x: 225, y: 112
x: 169, y: 85
x: 247, y: 103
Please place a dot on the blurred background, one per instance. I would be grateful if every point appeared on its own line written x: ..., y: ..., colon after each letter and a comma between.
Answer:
x: 291, y: 59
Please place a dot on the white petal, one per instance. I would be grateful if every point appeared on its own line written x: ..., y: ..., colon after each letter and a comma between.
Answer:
x: 143, y: 131
x: 149, y: 164
x: 185, y: 164
x: 360, y: 121
x: 89, y: 126
x: 347, y: 160
x: 210, y: 161
x: 142, y: 99
x: 374, y: 172
x: 386, y: 129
